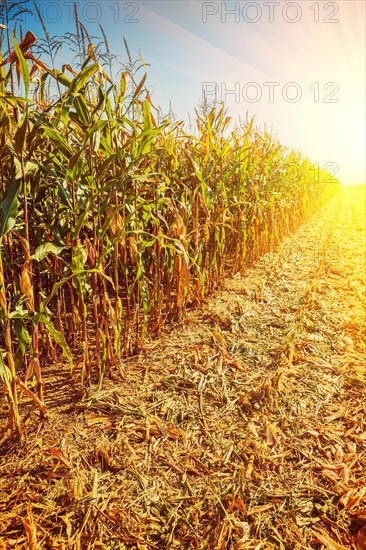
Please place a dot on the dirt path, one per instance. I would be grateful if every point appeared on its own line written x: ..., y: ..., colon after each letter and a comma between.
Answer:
x: 243, y: 427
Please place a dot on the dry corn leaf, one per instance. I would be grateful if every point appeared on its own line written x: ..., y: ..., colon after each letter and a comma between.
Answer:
x: 60, y: 455
x: 92, y: 419
x: 361, y: 538
x: 176, y: 433
x: 239, y: 504
x: 330, y: 544
x: 219, y: 364
x: 259, y: 509
x: 30, y: 530
x: 219, y: 339
x: 253, y: 429
x: 272, y: 439
x: 32, y: 396
x: 354, y: 497
x: 341, y: 413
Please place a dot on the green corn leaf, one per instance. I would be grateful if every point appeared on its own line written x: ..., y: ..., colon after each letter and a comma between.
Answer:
x: 9, y: 208
x: 97, y: 127
x: 80, y: 221
x: 13, y: 100
x: 102, y: 98
x: 122, y: 87
x: 5, y: 376
x: 148, y: 123
x: 61, y: 77
x: 22, y: 334
x: 24, y: 71
x: 106, y: 146
x: 58, y: 140
x: 64, y: 195
x: 44, y: 249
x: 81, y: 116
x: 19, y: 314
x: 58, y: 337
x: 83, y: 77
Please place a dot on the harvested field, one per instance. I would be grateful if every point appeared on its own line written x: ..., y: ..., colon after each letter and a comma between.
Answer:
x: 241, y: 427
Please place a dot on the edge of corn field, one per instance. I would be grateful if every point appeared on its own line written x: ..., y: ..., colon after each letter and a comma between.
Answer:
x: 240, y: 427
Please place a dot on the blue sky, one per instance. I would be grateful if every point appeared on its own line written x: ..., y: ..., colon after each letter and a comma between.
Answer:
x: 299, y: 67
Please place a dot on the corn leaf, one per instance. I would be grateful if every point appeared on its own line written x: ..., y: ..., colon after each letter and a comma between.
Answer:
x: 58, y: 337
x: 24, y: 71
x: 44, y: 249
x: 9, y: 208
x: 5, y: 376
x: 82, y: 78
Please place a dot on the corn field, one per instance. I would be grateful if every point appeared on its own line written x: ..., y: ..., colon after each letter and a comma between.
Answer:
x: 115, y: 219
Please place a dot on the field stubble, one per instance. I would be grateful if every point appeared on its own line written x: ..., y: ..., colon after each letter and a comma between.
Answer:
x: 241, y: 427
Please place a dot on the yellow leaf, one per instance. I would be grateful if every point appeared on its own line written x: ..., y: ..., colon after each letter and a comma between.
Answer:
x: 329, y: 542
x: 258, y: 509
x: 59, y: 454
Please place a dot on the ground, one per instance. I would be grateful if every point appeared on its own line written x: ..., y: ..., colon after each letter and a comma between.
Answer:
x: 241, y: 427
